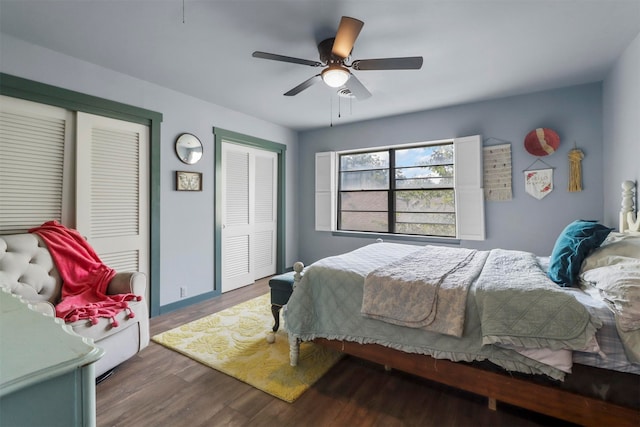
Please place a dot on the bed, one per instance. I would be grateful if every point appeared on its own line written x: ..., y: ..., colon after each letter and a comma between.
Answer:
x: 571, y: 352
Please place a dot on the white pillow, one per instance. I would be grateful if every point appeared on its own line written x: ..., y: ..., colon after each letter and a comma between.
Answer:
x: 619, y: 286
x: 616, y: 244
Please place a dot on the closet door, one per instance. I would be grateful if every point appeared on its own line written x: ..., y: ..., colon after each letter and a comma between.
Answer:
x: 35, y: 184
x: 237, y: 209
x: 112, y: 190
x: 265, y: 213
x: 249, y: 215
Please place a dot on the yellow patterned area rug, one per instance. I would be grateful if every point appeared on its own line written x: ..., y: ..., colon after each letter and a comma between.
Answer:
x: 233, y: 341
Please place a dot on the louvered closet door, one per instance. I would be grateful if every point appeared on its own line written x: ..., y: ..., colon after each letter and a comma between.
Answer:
x: 249, y: 215
x: 237, y: 207
x: 112, y: 190
x: 265, y: 213
x: 34, y: 186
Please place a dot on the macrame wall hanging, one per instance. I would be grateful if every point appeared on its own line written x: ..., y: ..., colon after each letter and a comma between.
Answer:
x: 575, y: 169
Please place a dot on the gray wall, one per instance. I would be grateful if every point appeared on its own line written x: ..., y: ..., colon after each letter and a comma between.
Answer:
x: 523, y: 223
x: 186, y: 235
x: 621, y: 108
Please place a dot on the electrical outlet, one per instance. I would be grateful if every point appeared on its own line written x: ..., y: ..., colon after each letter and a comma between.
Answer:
x: 183, y: 291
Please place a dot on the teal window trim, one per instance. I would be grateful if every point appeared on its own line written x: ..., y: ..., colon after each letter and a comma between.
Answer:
x: 30, y: 90
x: 221, y: 135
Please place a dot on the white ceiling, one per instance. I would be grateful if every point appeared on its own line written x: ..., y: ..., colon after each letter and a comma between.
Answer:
x: 473, y: 49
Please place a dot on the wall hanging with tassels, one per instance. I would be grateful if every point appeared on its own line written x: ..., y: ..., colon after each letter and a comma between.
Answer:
x: 575, y: 169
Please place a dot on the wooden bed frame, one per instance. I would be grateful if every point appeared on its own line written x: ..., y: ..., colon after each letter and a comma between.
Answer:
x: 498, y: 386
x: 495, y: 386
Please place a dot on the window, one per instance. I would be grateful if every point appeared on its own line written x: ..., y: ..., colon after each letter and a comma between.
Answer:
x: 400, y: 191
x: 431, y: 189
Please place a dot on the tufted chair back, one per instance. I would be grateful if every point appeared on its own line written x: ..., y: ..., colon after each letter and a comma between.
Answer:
x: 27, y: 269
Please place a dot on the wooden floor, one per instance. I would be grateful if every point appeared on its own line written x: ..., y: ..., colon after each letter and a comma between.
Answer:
x: 160, y: 387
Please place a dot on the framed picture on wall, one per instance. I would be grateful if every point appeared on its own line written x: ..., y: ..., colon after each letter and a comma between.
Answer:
x: 188, y: 181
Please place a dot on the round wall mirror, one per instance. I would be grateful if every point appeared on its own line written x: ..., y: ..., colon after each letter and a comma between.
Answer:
x: 189, y: 148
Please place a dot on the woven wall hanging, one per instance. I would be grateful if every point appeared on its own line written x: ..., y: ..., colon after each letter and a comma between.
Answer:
x: 541, y: 142
x: 575, y: 169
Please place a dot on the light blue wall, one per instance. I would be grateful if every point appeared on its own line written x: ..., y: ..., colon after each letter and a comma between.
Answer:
x: 578, y: 114
x: 621, y: 122
x: 186, y: 234
x: 523, y: 223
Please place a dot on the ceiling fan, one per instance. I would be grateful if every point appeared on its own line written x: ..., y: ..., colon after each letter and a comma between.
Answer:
x: 334, y: 53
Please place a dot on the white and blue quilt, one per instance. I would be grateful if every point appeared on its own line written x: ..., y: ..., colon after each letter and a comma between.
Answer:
x: 328, y: 300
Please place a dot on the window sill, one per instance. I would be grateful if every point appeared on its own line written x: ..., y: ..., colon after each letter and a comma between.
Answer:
x: 401, y: 237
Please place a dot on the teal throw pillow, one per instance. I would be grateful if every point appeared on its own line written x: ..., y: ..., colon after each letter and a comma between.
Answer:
x: 572, y: 246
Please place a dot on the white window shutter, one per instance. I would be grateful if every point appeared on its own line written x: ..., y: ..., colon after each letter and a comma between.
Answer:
x: 468, y: 161
x: 32, y: 164
x: 470, y: 213
x: 468, y: 184
x: 325, y: 197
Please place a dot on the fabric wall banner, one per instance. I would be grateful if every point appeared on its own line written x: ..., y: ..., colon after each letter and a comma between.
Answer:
x: 538, y: 183
x: 497, y: 172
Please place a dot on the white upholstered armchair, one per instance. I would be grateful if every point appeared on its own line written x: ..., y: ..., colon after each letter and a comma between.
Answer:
x: 27, y: 269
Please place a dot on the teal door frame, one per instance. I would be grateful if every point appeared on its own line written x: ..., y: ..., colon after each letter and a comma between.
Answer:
x: 220, y: 136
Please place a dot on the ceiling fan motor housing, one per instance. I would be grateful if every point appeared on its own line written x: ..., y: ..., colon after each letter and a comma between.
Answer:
x: 326, y: 56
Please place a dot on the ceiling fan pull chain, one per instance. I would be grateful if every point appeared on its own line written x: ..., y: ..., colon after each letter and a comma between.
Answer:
x: 330, y: 112
x: 183, y: 11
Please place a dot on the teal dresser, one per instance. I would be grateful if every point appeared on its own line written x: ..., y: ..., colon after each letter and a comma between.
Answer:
x: 46, y: 371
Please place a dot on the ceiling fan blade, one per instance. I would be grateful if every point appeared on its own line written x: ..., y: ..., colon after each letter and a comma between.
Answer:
x: 302, y: 86
x: 346, y: 36
x: 357, y: 88
x: 406, y: 63
x: 282, y: 58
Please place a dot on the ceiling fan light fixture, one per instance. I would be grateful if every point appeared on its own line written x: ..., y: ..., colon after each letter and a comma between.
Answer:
x: 335, y: 75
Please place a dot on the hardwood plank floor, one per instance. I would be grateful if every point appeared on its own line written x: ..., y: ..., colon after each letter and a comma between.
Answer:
x: 159, y: 387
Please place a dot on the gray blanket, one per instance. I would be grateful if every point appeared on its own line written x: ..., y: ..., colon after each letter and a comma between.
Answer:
x: 426, y: 289
x: 519, y: 305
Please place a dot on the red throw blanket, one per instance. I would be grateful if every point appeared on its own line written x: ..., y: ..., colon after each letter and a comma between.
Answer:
x: 84, y: 277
